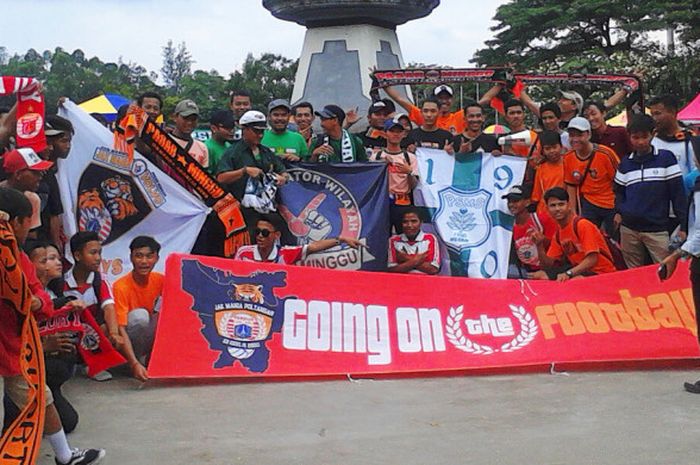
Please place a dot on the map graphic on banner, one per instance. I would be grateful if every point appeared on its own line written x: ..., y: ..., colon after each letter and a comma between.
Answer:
x: 102, y: 192
x: 463, y: 193
x: 324, y: 200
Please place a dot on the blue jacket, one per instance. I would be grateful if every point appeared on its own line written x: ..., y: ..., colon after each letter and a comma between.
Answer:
x: 645, y: 186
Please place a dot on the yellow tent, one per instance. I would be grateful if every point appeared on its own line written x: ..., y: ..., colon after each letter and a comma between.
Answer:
x: 621, y: 119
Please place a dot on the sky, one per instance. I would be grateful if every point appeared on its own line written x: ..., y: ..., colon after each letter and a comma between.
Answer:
x: 220, y: 33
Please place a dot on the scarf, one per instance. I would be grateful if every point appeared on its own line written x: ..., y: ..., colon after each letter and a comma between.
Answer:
x: 22, y: 439
x: 346, y: 153
x: 30, y: 110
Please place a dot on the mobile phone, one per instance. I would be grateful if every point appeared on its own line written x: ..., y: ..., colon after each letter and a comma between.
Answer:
x: 662, y: 271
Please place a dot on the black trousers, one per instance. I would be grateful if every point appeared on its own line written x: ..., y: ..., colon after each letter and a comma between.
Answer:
x: 695, y: 284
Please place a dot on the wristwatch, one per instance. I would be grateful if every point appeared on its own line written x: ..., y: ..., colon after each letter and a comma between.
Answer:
x: 569, y: 273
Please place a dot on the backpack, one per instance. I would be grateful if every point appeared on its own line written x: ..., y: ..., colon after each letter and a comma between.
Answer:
x: 615, y: 254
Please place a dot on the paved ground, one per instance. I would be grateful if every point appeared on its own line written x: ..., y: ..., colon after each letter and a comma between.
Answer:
x: 634, y: 418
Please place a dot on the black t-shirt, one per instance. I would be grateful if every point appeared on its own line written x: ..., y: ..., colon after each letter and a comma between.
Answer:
x: 486, y: 142
x: 430, y: 139
x: 50, y: 196
x: 372, y: 138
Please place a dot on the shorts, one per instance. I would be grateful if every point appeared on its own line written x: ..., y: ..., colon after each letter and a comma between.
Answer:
x: 17, y: 390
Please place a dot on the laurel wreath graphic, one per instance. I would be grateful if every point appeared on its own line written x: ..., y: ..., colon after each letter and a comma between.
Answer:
x: 462, y: 221
x: 528, y: 331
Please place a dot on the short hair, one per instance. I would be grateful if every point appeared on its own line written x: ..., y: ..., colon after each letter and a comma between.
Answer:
x: 412, y: 211
x: 471, y: 103
x: 238, y: 93
x: 558, y: 193
x: 79, y: 239
x: 548, y: 137
x: 15, y: 203
x: 513, y: 103
x: 302, y: 105
x: 139, y: 99
x: 641, y: 123
x: 430, y: 99
x: 596, y: 103
x: 32, y: 244
x: 670, y: 102
x: 551, y: 106
x: 60, y: 123
x: 274, y: 220
x: 144, y: 241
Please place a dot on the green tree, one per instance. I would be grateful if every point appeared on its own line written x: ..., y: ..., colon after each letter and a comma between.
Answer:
x: 177, y: 63
x: 268, y: 77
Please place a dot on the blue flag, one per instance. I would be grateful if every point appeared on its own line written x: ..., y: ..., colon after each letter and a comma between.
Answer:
x: 327, y: 200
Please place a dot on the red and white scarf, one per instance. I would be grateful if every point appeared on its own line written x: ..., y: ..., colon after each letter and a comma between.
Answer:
x: 30, y: 110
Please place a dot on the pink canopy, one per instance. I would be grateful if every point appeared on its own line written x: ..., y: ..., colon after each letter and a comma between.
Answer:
x: 691, y: 113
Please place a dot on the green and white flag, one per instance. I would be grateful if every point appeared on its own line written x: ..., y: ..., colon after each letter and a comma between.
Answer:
x: 463, y: 195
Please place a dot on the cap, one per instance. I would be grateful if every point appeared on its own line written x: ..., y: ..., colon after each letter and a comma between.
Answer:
x: 443, y: 88
x: 279, y: 103
x: 572, y: 95
x: 22, y: 159
x: 186, y: 108
x: 331, y: 111
x: 223, y: 118
x: 377, y: 107
x: 579, y: 123
x: 56, y: 125
x: 515, y: 193
x: 392, y: 123
x: 254, y: 119
x: 390, y: 107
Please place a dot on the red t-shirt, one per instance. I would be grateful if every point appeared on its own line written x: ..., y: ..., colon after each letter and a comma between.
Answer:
x: 284, y: 255
x: 525, y: 247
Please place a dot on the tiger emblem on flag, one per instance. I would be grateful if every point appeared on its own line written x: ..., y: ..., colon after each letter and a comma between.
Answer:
x: 93, y: 214
x: 249, y: 293
x: 120, y: 200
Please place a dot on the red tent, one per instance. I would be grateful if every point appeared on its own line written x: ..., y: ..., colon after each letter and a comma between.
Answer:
x: 690, y: 114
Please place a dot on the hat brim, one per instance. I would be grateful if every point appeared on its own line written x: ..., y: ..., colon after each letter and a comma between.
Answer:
x: 513, y: 197
x: 392, y: 126
x: 325, y: 114
x: 187, y: 113
x: 53, y: 132
x: 43, y: 165
x: 286, y: 107
x: 255, y: 125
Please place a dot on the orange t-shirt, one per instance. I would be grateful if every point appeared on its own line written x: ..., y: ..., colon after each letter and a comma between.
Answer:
x: 574, y: 246
x: 547, y: 175
x: 453, y: 122
x: 128, y: 295
x: 597, y: 187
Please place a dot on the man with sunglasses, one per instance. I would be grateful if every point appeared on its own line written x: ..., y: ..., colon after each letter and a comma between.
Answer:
x: 249, y: 159
x: 267, y: 236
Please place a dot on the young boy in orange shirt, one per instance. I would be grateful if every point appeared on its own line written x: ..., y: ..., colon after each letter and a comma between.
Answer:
x: 550, y: 173
x: 137, y: 302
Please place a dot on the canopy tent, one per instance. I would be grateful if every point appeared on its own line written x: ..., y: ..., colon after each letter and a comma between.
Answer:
x: 106, y: 104
x: 497, y: 129
x: 621, y: 118
x: 691, y: 112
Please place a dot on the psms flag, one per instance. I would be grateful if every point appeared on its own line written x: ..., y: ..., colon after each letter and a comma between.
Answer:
x: 463, y: 193
x: 326, y: 200
x: 102, y: 192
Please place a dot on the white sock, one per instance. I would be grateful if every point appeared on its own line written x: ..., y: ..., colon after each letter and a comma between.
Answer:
x: 60, y: 446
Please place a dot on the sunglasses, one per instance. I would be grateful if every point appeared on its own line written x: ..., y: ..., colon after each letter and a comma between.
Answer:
x: 257, y: 130
x: 262, y: 232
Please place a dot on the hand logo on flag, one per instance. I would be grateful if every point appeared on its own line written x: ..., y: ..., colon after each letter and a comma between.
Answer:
x: 310, y: 225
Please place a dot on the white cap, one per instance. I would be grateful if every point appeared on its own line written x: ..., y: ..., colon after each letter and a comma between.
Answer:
x: 579, y: 123
x: 443, y: 88
x: 253, y: 118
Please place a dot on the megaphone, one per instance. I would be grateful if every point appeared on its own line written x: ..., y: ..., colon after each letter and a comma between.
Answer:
x: 518, y: 138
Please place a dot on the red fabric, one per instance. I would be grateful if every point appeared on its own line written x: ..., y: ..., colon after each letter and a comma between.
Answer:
x: 30, y: 110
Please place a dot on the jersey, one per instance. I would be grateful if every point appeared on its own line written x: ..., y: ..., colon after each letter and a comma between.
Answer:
x: 288, y: 255
x: 422, y: 243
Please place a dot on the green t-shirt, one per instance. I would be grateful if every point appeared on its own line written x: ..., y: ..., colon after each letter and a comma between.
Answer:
x: 358, y: 149
x: 216, y: 150
x: 288, y: 142
x: 239, y: 155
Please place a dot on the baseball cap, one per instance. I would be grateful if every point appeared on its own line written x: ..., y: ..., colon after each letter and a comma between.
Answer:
x: 254, y: 119
x: 443, y: 88
x: 572, y: 95
x: 377, y: 107
x: 331, y: 111
x: 186, y: 108
x: 22, y: 159
x: 579, y: 123
x: 56, y: 125
x: 392, y: 123
x: 515, y: 193
x: 223, y: 118
x: 279, y: 103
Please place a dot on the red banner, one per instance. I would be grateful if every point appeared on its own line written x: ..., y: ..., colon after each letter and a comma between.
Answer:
x: 224, y: 318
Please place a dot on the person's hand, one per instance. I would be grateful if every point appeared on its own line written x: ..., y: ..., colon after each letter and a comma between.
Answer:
x: 465, y: 147
x: 537, y: 237
x: 36, y: 304
x: 418, y: 258
x: 671, y: 262
x: 496, y: 153
x: 61, y: 101
x: 411, y: 148
x: 617, y: 221
x: 449, y: 148
x: 561, y: 277
x: 57, y: 343
x: 682, y: 235
x: 290, y: 157
x: 354, y: 243
x: 352, y: 116
x: 402, y: 257
x: 139, y: 372
x: 116, y: 339
x: 403, y: 167
x: 253, y: 171
x: 77, y: 305
x: 280, y: 179
x: 324, y: 149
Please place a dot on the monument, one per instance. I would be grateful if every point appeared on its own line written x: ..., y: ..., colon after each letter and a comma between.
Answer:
x: 344, y: 40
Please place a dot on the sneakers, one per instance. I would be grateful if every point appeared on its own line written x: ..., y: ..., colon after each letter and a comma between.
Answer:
x: 102, y: 376
x: 692, y: 387
x: 84, y: 457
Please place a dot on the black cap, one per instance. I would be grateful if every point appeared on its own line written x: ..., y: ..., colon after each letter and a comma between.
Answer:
x: 377, y: 107
x: 516, y: 193
x: 331, y: 111
x: 223, y: 118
